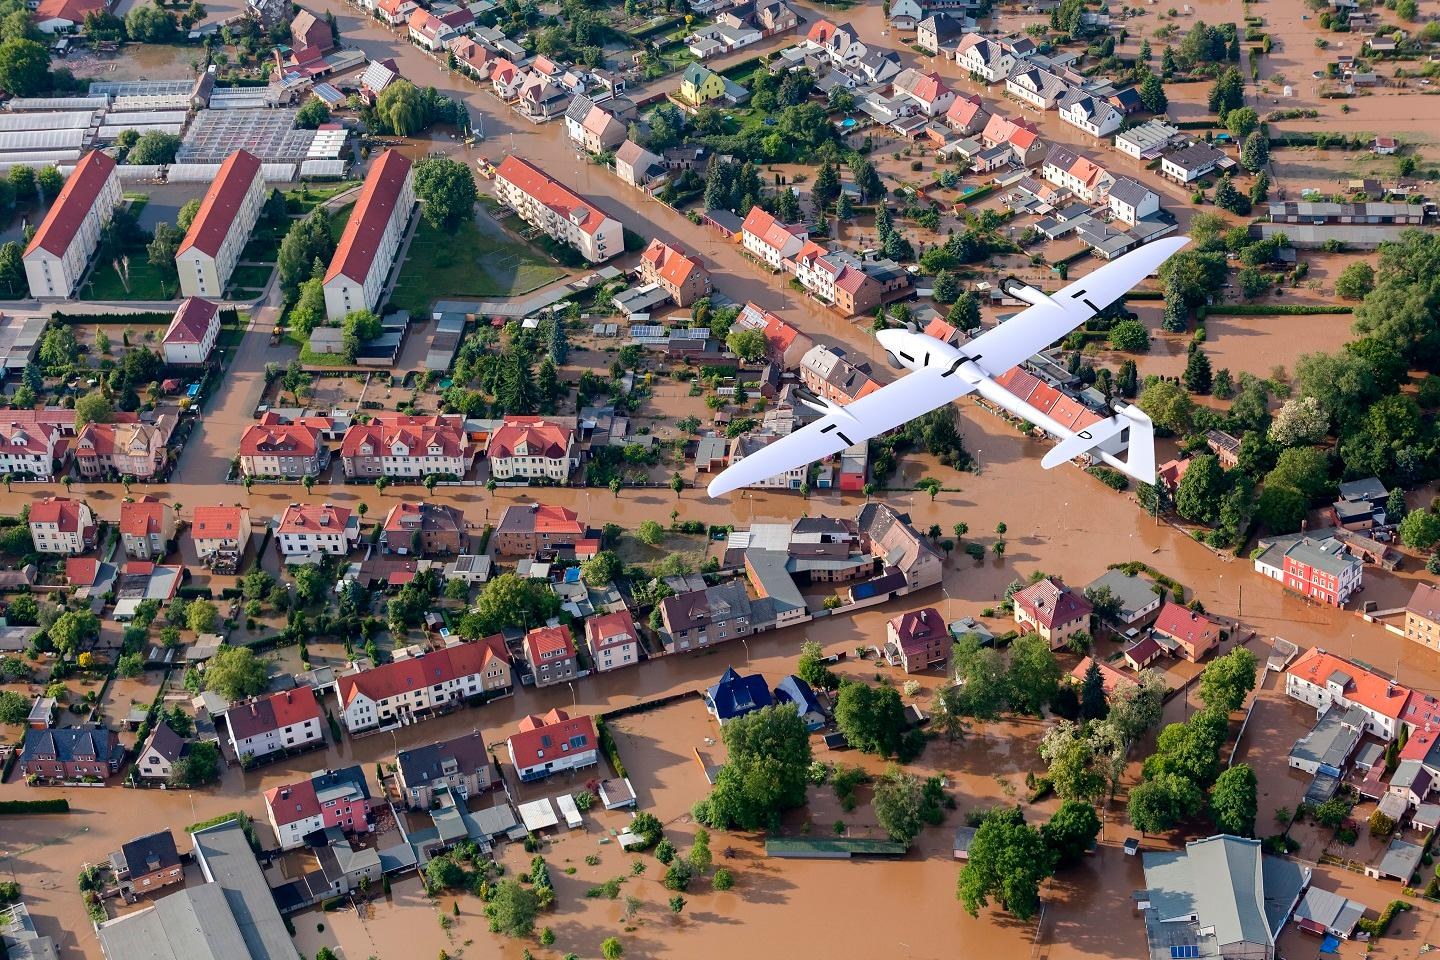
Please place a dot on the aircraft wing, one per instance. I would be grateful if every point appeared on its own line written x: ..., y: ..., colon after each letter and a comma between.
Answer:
x: 841, y: 427
x: 1022, y: 336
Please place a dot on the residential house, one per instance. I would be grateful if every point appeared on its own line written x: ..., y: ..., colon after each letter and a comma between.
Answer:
x: 59, y: 252
x: 1328, y: 746
x: 527, y: 529
x: 1321, y: 680
x: 551, y: 207
x: 428, y: 31
x: 149, y: 863
x: 786, y: 344
x: 904, y: 14
x: 1081, y: 176
x: 146, y: 528
x: 550, y: 651
x: 460, y: 766
x: 505, y: 79
x: 826, y: 373
x: 774, y: 17
x: 306, y: 529
x: 1219, y: 897
x: 734, y: 695
x: 612, y: 640
x: 1225, y: 447
x: 325, y: 799
x: 62, y: 525
x: 769, y: 240
x: 679, y: 274
x: 192, y: 333
x: 229, y: 211
x: 398, y: 445
x: 64, y: 16
x: 1038, y: 87
x: 1147, y: 140
x: 938, y: 32
x: 532, y: 448
x: 1131, y: 201
x: 1422, y: 615
x: 424, y: 529
x: 160, y: 752
x: 698, y: 618
x: 1190, y: 163
x: 875, y: 67
x: 966, y: 116
x: 898, y: 546
x: 1052, y: 610
x: 796, y: 692
x: 472, y: 57
x: 1362, y: 504
x: 592, y: 127
x: 394, y: 12
x: 70, y: 754
x: 125, y: 446
x: 918, y: 639
x: 372, y: 237
x: 277, y: 447
x: 431, y: 681
x: 260, y: 726
x: 553, y: 743
x: 220, y: 535
x: 1323, y: 570
x: 1091, y: 114
x: 28, y: 446
x: 748, y: 444
x: 839, y: 42
x: 984, y: 59
x: 1187, y: 633
x: 1019, y: 135
x: 637, y: 166
x: 1135, y: 597
x: 541, y: 98
x: 926, y: 90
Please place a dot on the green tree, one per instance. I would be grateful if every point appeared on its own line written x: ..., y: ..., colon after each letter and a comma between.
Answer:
x: 872, y: 718
x: 1159, y: 804
x: 24, y: 67
x: 897, y: 803
x: 765, y: 774
x: 187, y: 214
x: 650, y: 533
x: 313, y: 113
x: 1033, y: 676
x: 981, y: 686
x: 202, y: 616
x: 1071, y: 832
x: 1233, y: 801
x: 236, y: 673
x: 1092, y: 693
x: 947, y: 288
x: 1197, y: 498
x: 14, y: 707
x: 611, y: 949
x: 748, y: 345
x: 512, y: 909
x: 1281, y: 508
x: 1228, y: 680
x: 812, y: 669
x: 1355, y: 281
x: 507, y: 600
x: 1008, y: 861
x: 1420, y: 530
x: 200, y: 765
x: 400, y: 108
x: 826, y: 188
x: 1255, y: 152
x: 447, y: 189
x: 1076, y: 771
x: 601, y: 569
x: 1168, y: 405
x: 1198, y: 376
x: 154, y: 146
x: 1152, y: 93
x: 1131, y: 336
x: 72, y: 629
x: 965, y: 314
x: 94, y: 407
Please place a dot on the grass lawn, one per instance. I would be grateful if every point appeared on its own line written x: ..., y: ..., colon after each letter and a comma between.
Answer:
x: 477, y: 260
x: 690, y: 547
x: 262, y: 248
x: 338, y: 220
x: 304, y: 199
x: 253, y: 278
x: 147, y: 282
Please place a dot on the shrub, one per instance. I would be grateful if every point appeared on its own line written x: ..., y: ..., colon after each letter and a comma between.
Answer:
x: 1380, y: 924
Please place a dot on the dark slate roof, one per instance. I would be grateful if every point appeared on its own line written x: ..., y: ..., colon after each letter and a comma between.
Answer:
x: 71, y: 743
x: 736, y: 696
x: 149, y: 853
x: 424, y: 764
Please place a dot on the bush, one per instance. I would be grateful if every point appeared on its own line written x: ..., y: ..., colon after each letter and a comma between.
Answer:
x: 23, y: 808
x: 1380, y: 924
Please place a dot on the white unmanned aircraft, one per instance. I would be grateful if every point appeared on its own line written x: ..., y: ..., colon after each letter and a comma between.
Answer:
x: 942, y: 373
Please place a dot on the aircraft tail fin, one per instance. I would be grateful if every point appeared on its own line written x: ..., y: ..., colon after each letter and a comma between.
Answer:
x: 1129, y: 429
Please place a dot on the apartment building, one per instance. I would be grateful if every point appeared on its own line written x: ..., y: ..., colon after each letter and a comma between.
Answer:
x: 125, y: 447
x: 552, y: 208
x: 396, y: 445
x: 612, y: 640
x: 1322, y: 679
x: 424, y: 529
x: 526, y: 529
x: 405, y: 688
x: 27, y: 446
x: 220, y: 230
x: 1081, y: 176
x: 526, y: 448
x: 769, y: 240
x: 56, y: 257
x: 553, y: 743
x: 550, y: 651
x: 327, y: 798
x: 192, y: 333
x: 303, y: 529
x: 372, y: 237
x: 1090, y: 114
x: 1422, y: 615
x: 287, y: 720
x: 827, y: 373
x: 277, y: 447
x: 62, y: 525
x: 460, y: 766
x: 678, y: 273
x: 146, y: 528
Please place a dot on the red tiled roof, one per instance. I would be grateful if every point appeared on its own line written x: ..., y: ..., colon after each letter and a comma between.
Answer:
x: 140, y: 518
x: 313, y: 518
x: 941, y: 330
x: 292, y: 802
x: 540, y: 438
x: 1425, y: 601
x: 391, y: 7
x: 1110, y: 678
x: 768, y: 230
x: 62, y: 511
x: 71, y: 10
x: 273, y: 712
x: 852, y: 281
x: 821, y: 31
x: 361, y: 240
x: 545, y: 189
x: 217, y: 523
x: 1051, y: 604
x: 76, y: 199
x: 1370, y: 690
x: 914, y: 628
x: 1185, y: 624
x: 554, y: 519
x: 416, y: 434
x: 612, y: 629
x: 557, y: 727
x: 670, y: 263
x: 963, y: 110
x: 192, y: 321
x: 272, y: 438
x: 21, y: 434
x: 413, y: 673
x: 81, y: 571
x: 548, y: 640
x: 216, y: 217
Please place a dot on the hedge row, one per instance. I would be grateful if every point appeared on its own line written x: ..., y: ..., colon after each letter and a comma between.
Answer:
x: 24, y: 807
x: 1269, y: 309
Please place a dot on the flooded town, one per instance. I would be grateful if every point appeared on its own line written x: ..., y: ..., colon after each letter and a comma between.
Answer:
x: 623, y: 478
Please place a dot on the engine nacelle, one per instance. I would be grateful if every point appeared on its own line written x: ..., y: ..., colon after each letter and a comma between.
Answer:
x: 908, y: 350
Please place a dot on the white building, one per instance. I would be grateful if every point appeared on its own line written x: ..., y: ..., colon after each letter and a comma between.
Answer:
x: 1130, y: 200
x: 1321, y: 679
x: 27, y: 445
x: 62, y: 525
x: 372, y: 237
x: 531, y: 448
x: 192, y: 333
x: 551, y: 207
x: 402, y: 688
x: 61, y: 249
x: 769, y: 240
x: 1039, y: 88
x: 220, y: 230
x: 1081, y: 176
x: 1150, y: 137
x: 306, y: 529
x: 1091, y: 114
x: 286, y: 720
x: 986, y: 59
